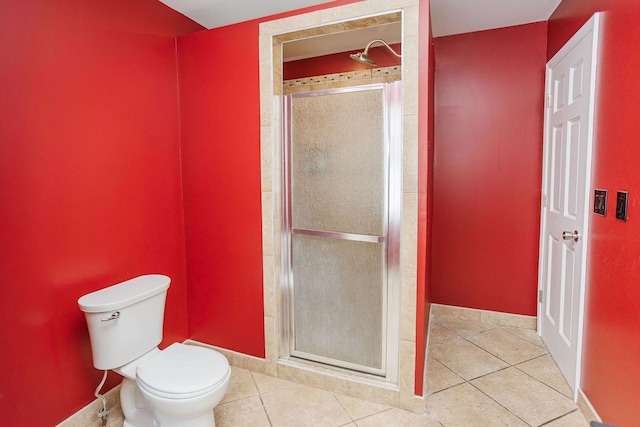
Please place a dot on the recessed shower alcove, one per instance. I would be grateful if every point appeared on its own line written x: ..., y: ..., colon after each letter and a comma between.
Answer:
x: 395, y: 387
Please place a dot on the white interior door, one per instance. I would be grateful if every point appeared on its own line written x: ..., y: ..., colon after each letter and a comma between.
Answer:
x: 566, y: 202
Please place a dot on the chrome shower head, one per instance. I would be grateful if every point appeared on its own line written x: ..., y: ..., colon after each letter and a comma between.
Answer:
x: 363, y: 57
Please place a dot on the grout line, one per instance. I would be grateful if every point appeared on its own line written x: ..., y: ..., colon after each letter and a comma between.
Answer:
x: 542, y: 382
x: 500, y: 358
x: 265, y: 411
x: 260, y: 397
x: 557, y: 418
x: 488, y: 352
x: 373, y: 415
x: 509, y: 365
x: 343, y: 408
x: 499, y: 404
x: 543, y: 346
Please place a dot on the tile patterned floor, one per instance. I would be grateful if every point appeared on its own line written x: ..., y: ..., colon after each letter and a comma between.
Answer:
x: 257, y: 400
x: 482, y: 374
x: 478, y: 375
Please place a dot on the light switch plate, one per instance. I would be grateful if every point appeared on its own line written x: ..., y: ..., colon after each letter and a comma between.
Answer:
x: 622, y: 203
x: 600, y: 202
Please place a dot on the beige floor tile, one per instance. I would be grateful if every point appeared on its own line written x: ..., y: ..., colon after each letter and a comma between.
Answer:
x: 247, y: 412
x: 544, y: 369
x: 358, y: 408
x: 465, y: 359
x: 439, y: 377
x: 465, y: 406
x: 267, y: 383
x: 530, y: 335
x: 464, y: 327
x: 507, y: 346
x: 526, y: 397
x: 241, y: 385
x: 304, y: 406
x: 439, y: 334
x: 397, y: 418
x: 574, y: 419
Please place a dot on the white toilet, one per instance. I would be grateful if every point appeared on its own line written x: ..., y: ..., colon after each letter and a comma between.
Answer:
x: 175, y: 387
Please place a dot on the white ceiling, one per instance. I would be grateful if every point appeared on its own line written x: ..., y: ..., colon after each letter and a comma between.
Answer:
x: 218, y: 13
x: 448, y: 17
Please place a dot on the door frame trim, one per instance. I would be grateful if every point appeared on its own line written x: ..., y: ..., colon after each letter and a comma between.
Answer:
x: 590, y: 28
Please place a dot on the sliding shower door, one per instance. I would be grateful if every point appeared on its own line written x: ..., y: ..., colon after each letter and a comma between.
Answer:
x: 342, y: 189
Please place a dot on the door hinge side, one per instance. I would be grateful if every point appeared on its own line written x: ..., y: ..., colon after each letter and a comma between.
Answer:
x: 549, y: 99
x: 544, y: 200
x: 540, y: 296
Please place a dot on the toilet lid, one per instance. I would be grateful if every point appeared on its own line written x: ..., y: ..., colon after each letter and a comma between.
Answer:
x: 182, y: 371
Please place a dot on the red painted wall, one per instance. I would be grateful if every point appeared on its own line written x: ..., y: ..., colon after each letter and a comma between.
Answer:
x: 90, y: 182
x: 489, y: 90
x: 220, y: 132
x: 220, y: 127
x: 611, y: 350
x: 339, y: 63
x: 220, y: 119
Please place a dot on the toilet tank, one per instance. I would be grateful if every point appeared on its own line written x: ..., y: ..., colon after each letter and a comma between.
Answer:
x: 125, y: 320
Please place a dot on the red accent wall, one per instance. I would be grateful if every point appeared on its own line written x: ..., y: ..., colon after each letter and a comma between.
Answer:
x: 90, y: 182
x: 220, y: 129
x: 611, y: 348
x: 220, y: 119
x: 489, y: 90
x: 339, y: 63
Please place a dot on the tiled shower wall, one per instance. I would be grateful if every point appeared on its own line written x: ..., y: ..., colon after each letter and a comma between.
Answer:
x: 272, y: 35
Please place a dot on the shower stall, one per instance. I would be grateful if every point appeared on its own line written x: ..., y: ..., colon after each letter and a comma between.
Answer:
x: 342, y: 198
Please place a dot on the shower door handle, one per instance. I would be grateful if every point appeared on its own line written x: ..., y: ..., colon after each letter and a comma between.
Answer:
x: 342, y: 236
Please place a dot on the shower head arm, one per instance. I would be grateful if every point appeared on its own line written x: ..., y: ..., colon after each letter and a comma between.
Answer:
x: 366, y: 49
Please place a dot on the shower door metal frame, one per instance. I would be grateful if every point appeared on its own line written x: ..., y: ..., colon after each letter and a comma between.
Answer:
x: 392, y: 112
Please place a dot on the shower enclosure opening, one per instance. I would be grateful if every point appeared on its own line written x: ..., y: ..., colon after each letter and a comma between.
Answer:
x: 341, y: 202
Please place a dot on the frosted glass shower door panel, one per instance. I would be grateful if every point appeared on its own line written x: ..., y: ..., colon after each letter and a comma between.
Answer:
x: 338, y: 300
x: 337, y: 162
x: 337, y: 184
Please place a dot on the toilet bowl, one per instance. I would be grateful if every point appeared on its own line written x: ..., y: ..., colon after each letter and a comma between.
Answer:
x: 175, y: 387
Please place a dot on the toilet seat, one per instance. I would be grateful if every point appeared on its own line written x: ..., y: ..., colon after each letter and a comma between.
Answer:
x: 182, y: 372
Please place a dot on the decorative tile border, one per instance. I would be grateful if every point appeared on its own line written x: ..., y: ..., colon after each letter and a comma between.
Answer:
x: 339, y: 80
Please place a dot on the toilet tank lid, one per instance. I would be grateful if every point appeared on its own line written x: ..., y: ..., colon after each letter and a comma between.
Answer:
x: 124, y: 294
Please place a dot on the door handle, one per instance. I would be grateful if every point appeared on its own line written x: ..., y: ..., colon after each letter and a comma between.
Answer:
x: 568, y: 235
x: 342, y: 236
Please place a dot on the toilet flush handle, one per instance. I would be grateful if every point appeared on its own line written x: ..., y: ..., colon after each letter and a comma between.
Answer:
x: 115, y: 315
